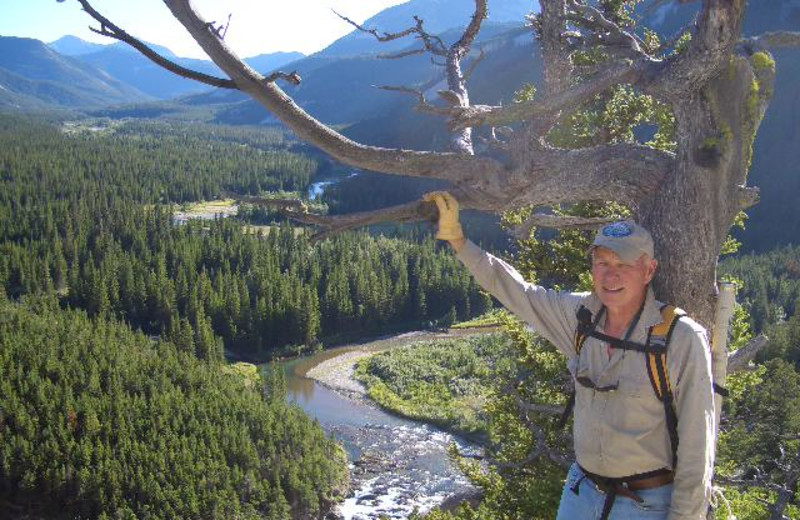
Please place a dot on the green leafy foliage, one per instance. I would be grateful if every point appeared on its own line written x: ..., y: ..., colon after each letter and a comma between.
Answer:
x: 517, y: 487
x: 759, y: 449
x: 98, y: 421
x: 560, y: 261
x: 614, y: 118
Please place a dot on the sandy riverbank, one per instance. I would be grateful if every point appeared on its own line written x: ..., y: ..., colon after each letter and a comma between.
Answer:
x: 338, y: 372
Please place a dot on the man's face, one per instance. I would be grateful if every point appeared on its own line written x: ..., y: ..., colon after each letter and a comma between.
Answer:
x: 621, y: 286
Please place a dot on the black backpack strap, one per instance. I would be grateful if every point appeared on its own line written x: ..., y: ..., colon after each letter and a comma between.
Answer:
x: 588, y: 328
x: 586, y: 325
x: 585, y: 328
x: 623, y: 344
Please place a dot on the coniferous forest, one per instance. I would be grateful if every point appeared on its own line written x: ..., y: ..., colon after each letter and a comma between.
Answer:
x: 115, y: 322
x: 81, y: 216
x: 98, y: 421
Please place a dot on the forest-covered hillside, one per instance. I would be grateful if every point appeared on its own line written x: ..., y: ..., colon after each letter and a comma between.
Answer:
x: 98, y: 421
x: 80, y: 215
x: 115, y: 319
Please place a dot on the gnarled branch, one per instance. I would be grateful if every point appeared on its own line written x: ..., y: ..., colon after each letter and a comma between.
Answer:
x: 433, y: 44
x: 550, y: 104
x: 557, y: 222
x: 331, y: 225
x: 422, y: 103
x: 428, y: 164
x: 774, y: 40
x: 462, y: 46
x: 381, y: 37
x: 740, y: 359
x: 748, y: 196
x: 592, y: 17
x: 292, y: 77
x: 108, y: 28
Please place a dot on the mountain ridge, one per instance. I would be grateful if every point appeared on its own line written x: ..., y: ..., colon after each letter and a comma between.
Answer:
x: 45, y: 77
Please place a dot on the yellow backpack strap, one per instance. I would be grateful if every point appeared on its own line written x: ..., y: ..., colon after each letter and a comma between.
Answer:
x: 658, y: 339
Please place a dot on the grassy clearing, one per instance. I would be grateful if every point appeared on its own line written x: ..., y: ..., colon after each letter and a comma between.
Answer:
x: 207, y: 209
x: 490, y: 319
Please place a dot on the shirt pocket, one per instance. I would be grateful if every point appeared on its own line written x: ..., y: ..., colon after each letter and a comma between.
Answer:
x: 637, y: 412
x: 633, y: 379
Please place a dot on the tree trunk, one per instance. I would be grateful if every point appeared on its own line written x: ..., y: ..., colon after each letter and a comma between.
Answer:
x: 691, y: 213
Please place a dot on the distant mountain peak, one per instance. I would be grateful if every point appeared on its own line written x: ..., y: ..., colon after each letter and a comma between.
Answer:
x: 69, y: 45
x: 34, y: 74
x: 164, y: 51
x: 438, y: 15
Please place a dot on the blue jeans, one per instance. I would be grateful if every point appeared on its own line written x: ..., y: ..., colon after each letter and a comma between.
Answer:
x: 581, y: 500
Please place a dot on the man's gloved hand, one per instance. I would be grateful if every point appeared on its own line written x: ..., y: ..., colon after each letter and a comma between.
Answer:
x: 449, y: 226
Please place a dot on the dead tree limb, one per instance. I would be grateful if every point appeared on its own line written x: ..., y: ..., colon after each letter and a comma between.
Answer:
x: 774, y: 40
x: 108, y: 28
x: 740, y: 359
x: 557, y: 222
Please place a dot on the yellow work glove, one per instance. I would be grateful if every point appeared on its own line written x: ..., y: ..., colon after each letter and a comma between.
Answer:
x: 449, y: 226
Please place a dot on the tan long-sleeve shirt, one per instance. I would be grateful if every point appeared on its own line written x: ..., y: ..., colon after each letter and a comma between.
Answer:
x: 621, y: 432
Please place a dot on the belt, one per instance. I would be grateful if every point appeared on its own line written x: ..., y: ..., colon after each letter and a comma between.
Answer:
x: 627, y: 486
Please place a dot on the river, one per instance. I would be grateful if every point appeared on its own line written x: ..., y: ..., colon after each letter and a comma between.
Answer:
x: 397, y: 465
x: 316, y: 189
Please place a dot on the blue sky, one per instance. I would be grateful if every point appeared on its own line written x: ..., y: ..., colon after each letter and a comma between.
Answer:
x: 257, y: 26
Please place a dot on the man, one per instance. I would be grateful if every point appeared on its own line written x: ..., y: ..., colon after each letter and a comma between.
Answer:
x: 628, y: 465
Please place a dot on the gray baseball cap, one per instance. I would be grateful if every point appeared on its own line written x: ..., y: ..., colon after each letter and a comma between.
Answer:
x: 626, y: 238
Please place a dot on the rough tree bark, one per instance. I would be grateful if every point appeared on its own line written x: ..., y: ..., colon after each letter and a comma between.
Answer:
x: 718, y: 88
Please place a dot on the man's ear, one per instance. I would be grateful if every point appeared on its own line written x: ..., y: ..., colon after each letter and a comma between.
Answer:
x: 652, y: 265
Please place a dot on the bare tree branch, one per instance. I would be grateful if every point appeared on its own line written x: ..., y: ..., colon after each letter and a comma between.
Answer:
x: 749, y: 196
x: 463, y: 45
x: 428, y: 164
x: 331, y: 225
x: 614, y: 34
x: 108, y: 28
x: 292, y: 77
x: 739, y: 359
x: 474, y: 65
x: 557, y: 222
x: 774, y: 40
x: 422, y: 103
x: 433, y: 44
x: 381, y: 37
x: 551, y: 104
